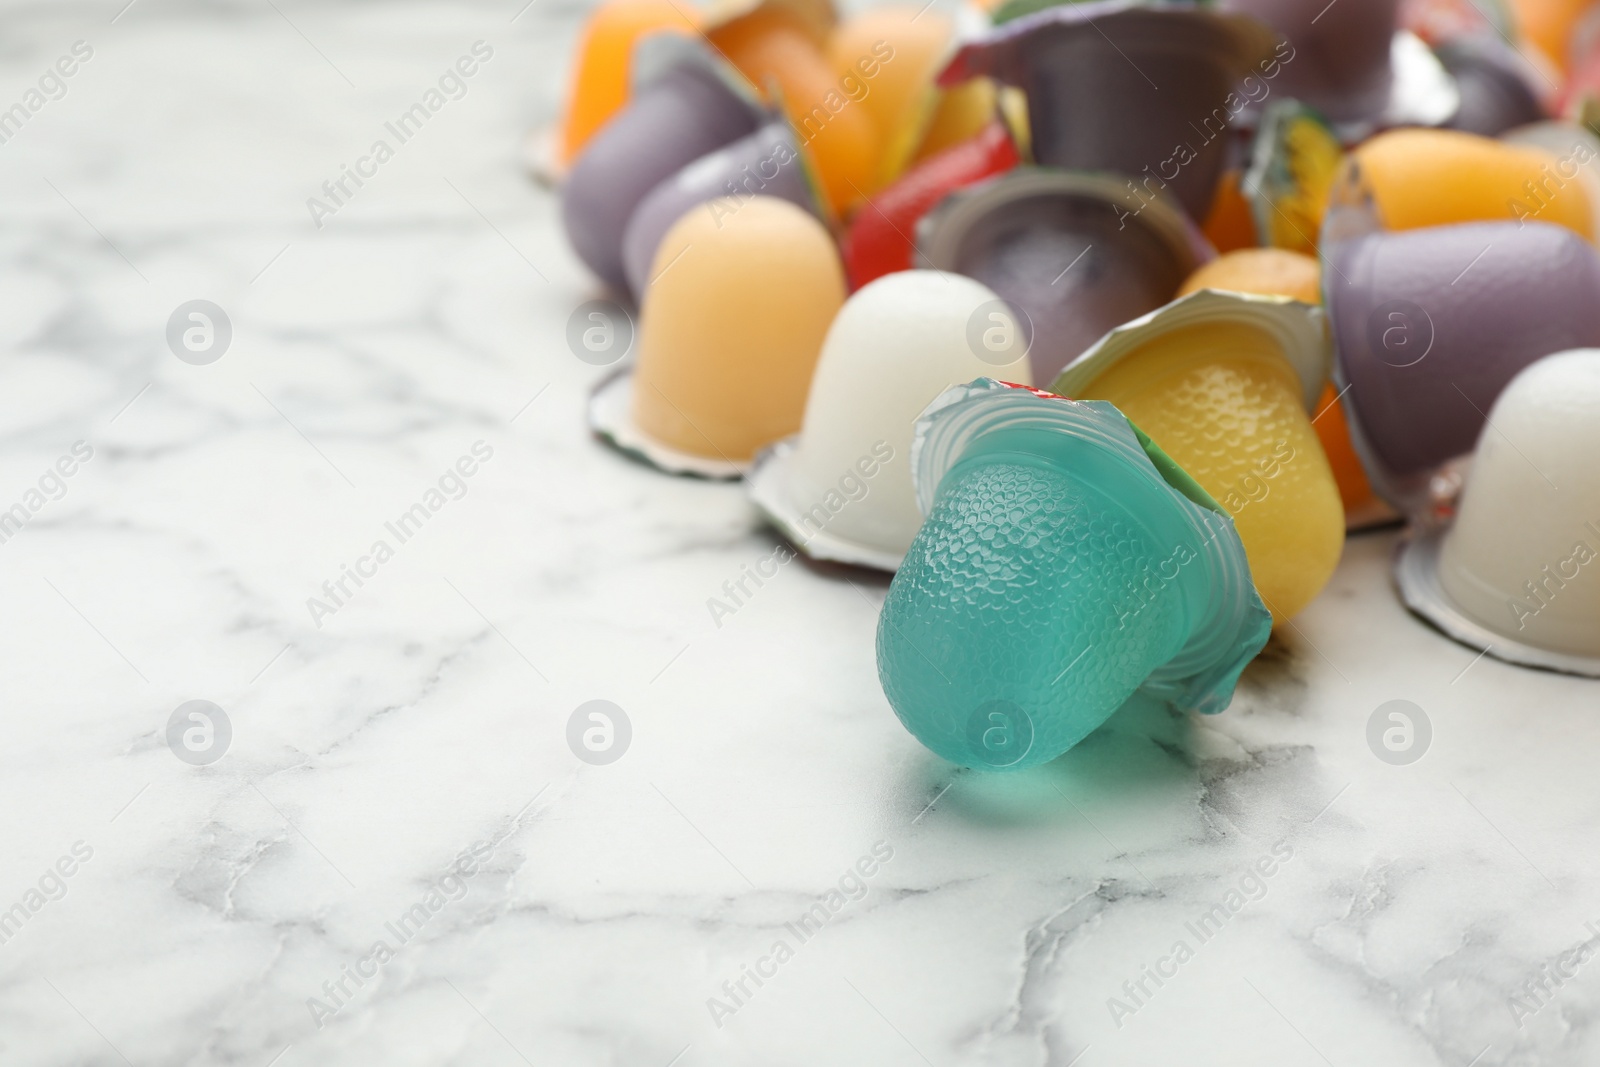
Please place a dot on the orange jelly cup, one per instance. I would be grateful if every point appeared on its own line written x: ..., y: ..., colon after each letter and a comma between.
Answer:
x: 1548, y: 25
x: 1419, y: 178
x: 893, y: 54
x: 774, y: 49
x: 600, y: 78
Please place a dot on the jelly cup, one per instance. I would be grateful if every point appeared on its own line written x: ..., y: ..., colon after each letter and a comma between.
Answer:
x: 1076, y: 254
x: 1430, y: 325
x: 1518, y: 572
x: 960, y: 114
x: 1228, y: 225
x: 1353, y: 64
x: 1087, y: 70
x: 778, y: 51
x: 601, y: 77
x: 766, y: 163
x: 1498, y: 89
x: 1341, y: 58
x: 1548, y: 25
x: 814, y: 19
x: 1275, y: 272
x: 729, y: 332
x: 880, y: 240
x: 1264, y: 271
x: 901, y: 96
x: 841, y: 489
x: 1577, y: 152
x: 1223, y: 383
x: 686, y: 104
x: 1294, y: 161
x: 1417, y: 178
x: 1065, y: 565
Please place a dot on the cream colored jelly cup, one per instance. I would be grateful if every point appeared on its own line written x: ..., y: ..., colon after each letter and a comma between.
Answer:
x: 1518, y: 572
x: 841, y: 489
x: 729, y: 332
x: 1223, y: 383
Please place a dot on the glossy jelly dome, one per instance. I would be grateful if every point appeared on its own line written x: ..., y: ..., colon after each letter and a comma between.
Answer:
x: 1524, y: 555
x: 893, y: 347
x: 1279, y: 272
x: 1268, y: 271
x: 731, y: 327
x: 1024, y: 614
x: 1222, y: 402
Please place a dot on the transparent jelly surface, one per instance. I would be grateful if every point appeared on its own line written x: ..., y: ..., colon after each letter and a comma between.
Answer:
x: 1029, y: 608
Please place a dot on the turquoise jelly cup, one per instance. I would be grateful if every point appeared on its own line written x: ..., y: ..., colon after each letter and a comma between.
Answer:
x: 1065, y: 563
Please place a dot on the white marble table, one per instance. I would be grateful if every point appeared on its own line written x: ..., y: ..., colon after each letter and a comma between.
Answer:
x: 376, y: 746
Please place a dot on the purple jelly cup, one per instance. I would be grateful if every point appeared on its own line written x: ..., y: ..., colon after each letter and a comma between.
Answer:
x: 1075, y: 254
x: 1340, y: 62
x: 769, y: 162
x: 1497, y: 87
x: 1430, y: 326
x: 686, y: 103
x: 1147, y: 92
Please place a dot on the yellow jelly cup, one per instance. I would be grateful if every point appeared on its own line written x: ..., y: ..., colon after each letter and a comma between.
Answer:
x: 1279, y: 272
x: 1223, y: 383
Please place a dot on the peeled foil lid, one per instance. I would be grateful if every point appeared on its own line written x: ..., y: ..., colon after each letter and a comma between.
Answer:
x: 1300, y: 330
x: 768, y: 486
x: 1416, y: 572
x: 1201, y: 677
x: 611, y: 417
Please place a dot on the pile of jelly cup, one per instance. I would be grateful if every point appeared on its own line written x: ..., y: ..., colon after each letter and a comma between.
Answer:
x: 1102, y: 324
